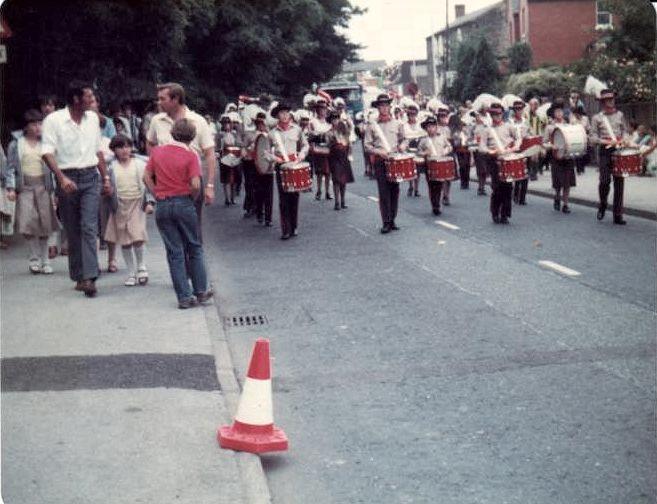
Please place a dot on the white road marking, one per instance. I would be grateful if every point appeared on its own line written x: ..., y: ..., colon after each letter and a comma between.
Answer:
x: 441, y: 242
x: 373, y: 198
x: 559, y: 268
x: 447, y: 225
x: 359, y: 230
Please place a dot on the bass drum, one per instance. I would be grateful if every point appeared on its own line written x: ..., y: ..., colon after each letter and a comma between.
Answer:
x: 262, y: 148
x: 569, y: 141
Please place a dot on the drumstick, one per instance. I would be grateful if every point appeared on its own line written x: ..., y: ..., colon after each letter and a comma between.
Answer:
x: 384, y: 140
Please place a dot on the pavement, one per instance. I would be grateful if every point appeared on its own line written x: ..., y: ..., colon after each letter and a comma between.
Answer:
x: 118, y: 398
x: 640, y: 192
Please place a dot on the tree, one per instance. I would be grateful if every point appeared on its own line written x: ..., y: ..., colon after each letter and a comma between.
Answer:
x: 552, y: 82
x: 520, y: 57
x: 633, y: 35
x: 215, y: 48
x: 476, y: 70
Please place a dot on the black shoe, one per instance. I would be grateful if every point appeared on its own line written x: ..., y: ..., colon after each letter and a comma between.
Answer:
x: 268, y: 224
x: 343, y: 206
x: 285, y: 236
x: 446, y: 201
x: 504, y: 220
x: 515, y: 198
x: 565, y: 209
x: 232, y: 202
x: 202, y: 297
x: 601, y: 213
x: 496, y: 219
x: 260, y: 219
x: 318, y: 196
x: 385, y: 229
x: 557, y: 204
x: 294, y: 234
x: 619, y: 220
x: 523, y: 202
x: 417, y: 194
x: 187, y: 303
x: 247, y: 215
x: 394, y: 227
x: 329, y: 197
x: 88, y: 287
x: 409, y: 193
x: 436, y: 211
x: 227, y: 203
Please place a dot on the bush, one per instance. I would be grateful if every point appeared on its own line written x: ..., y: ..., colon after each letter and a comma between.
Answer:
x: 552, y: 82
x: 520, y: 58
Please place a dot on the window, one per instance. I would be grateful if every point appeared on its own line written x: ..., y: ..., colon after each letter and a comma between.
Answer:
x: 603, y: 15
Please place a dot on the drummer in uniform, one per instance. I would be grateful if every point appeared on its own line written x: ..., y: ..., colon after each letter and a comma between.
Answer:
x: 435, y: 144
x: 479, y: 157
x: 318, y: 128
x: 562, y: 169
x: 517, y: 120
x: 442, y: 113
x: 496, y: 140
x: 289, y: 144
x: 413, y: 131
x: 383, y: 137
x: 607, y: 142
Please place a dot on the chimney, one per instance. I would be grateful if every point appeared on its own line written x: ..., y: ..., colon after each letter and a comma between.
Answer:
x: 459, y: 10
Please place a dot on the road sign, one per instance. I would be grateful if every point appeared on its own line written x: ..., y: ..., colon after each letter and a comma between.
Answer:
x: 3, y: 54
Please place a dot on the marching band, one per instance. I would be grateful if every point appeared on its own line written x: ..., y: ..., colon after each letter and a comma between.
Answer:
x: 508, y: 140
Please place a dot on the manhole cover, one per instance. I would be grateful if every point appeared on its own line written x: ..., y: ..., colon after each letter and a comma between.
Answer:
x: 245, y: 320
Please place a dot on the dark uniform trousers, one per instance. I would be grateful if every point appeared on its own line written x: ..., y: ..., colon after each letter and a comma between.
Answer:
x: 500, y: 200
x: 249, y: 170
x: 463, y: 159
x: 435, y: 192
x: 388, y: 192
x: 288, y: 203
x: 264, y: 195
x: 520, y: 191
x: 605, y: 163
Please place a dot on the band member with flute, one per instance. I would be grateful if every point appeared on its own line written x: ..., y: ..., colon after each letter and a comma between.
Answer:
x: 609, y: 132
x: 497, y: 140
x: 383, y: 137
x: 289, y: 144
x: 434, y: 145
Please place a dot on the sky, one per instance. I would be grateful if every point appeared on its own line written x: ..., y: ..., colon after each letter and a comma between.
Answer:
x: 396, y: 30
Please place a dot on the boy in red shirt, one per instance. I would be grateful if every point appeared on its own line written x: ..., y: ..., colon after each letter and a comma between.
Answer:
x: 173, y: 174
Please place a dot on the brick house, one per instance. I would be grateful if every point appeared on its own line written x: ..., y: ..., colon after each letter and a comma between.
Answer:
x: 490, y: 21
x: 558, y: 31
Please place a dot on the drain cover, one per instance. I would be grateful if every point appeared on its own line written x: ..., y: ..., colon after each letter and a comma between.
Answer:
x: 245, y: 320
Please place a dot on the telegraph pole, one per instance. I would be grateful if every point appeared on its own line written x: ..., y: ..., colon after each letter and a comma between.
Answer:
x: 446, y: 66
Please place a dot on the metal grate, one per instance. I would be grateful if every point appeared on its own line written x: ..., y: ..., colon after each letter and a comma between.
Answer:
x: 245, y: 320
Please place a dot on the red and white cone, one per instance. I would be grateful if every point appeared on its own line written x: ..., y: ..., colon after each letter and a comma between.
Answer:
x: 253, y: 429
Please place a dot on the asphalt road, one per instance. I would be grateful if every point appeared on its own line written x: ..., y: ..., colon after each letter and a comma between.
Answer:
x: 443, y: 364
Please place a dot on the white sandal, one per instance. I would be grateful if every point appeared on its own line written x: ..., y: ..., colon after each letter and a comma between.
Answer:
x: 131, y: 281
x: 142, y: 276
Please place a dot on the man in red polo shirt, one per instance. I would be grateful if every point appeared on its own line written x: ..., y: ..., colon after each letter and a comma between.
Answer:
x: 173, y: 174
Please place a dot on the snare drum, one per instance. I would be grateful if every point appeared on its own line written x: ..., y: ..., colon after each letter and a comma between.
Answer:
x: 440, y: 169
x: 400, y: 167
x: 295, y: 177
x: 569, y: 141
x: 626, y: 162
x: 512, y: 167
x: 234, y: 150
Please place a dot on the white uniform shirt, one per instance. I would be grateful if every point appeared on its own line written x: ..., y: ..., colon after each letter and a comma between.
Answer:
x: 73, y: 145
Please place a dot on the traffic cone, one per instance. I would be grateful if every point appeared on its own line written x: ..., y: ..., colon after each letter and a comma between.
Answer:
x: 253, y: 429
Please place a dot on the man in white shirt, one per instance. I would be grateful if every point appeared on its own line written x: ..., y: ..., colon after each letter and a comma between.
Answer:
x: 71, y: 149
x: 171, y: 102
